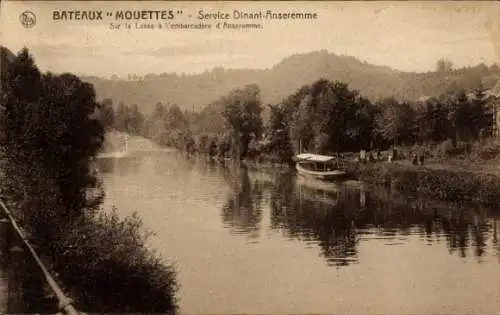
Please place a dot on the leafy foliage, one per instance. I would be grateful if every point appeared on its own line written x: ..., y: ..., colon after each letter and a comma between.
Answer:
x: 395, y: 122
x: 278, y: 134
x: 107, y: 248
x: 52, y: 127
x: 128, y: 119
x: 323, y: 117
x: 106, y: 114
x: 243, y: 117
x: 50, y: 138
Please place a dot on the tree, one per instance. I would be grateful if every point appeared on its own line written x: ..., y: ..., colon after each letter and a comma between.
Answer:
x: 70, y: 136
x: 135, y: 120
x: 121, y: 117
x: 343, y: 128
x: 6, y: 58
x: 458, y: 108
x: 444, y: 65
x: 479, y: 120
x: 329, y: 117
x: 21, y: 87
x: 491, y: 107
x: 105, y: 113
x: 396, y: 121
x: 51, y: 136
x: 160, y: 111
x: 300, y: 121
x: 431, y: 121
x: 175, y: 119
x: 243, y: 117
x: 280, y: 144
x: 363, y: 135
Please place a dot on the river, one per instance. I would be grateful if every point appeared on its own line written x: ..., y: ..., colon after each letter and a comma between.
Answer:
x: 249, y: 242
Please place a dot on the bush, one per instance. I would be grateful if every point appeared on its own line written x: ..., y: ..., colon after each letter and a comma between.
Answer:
x: 485, y: 150
x: 112, y: 269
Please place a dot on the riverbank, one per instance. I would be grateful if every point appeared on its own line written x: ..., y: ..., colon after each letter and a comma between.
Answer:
x: 102, y: 261
x: 447, y: 179
x: 451, y: 181
x: 438, y: 182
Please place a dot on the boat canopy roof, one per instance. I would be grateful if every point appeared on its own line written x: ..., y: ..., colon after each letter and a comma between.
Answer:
x: 310, y: 157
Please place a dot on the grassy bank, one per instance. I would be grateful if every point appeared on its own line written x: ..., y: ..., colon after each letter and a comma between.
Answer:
x: 442, y: 184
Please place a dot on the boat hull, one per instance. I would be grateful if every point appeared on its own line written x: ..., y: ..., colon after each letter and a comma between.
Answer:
x: 325, y: 176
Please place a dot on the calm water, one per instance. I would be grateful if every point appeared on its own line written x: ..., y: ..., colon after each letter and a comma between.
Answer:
x: 245, y: 241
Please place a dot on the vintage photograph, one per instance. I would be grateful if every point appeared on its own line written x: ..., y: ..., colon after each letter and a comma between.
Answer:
x: 249, y: 157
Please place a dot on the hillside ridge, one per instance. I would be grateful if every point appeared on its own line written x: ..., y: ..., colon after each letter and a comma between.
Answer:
x: 284, y: 78
x: 196, y: 91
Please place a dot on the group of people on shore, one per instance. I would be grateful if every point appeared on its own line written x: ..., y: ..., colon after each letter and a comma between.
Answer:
x: 374, y: 156
x: 390, y: 155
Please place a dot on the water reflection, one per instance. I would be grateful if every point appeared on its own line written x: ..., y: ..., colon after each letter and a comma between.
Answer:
x: 243, y: 208
x: 462, y: 227
x: 390, y: 251
x: 122, y: 166
x: 319, y: 215
x: 337, y: 218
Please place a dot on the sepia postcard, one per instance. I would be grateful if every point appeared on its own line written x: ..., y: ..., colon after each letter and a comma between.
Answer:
x: 249, y: 157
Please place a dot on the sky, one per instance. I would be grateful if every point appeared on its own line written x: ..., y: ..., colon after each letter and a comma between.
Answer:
x: 408, y: 36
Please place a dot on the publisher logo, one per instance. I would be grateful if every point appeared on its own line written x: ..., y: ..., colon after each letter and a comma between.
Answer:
x: 27, y: 19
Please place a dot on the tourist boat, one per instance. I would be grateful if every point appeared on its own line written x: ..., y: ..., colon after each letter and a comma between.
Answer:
x: 322, y: 167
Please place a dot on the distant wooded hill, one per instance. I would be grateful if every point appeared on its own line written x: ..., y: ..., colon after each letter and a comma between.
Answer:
x: 373, y: 82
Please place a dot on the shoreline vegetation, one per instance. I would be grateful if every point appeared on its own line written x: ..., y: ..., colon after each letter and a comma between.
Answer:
x: 448, y: 185
x: 446, y: 145
x: 49, y: 135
